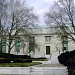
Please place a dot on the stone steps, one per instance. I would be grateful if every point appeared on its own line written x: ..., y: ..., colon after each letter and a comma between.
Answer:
x: 48, y: 71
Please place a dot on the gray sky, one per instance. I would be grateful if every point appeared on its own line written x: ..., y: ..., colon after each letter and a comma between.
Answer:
x: 40, y: 7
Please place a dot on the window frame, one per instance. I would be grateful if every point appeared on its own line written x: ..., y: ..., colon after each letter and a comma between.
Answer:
x: 47, y: 38
x: 3, y: 45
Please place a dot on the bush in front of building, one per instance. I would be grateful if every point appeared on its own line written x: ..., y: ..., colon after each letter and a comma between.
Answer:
x: 22, y: 60
x: 63, y: 58
x: 71, y: 63
x: 7, y: 58
x: 39, y: 59
x: 66, y: 58
x: 21, y: 56
x: 71, y: 71
x: 6, y: 55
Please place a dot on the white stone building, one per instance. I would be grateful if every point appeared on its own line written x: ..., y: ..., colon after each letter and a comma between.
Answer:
x: 47, y: 43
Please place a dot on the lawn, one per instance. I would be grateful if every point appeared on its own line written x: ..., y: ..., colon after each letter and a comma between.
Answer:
x: 19, y: 64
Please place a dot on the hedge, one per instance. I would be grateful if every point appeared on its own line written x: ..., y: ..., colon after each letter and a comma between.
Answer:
x: 6, y: 55
x: 8, y: 58
x: 68, y: 59
x: 71, y: 71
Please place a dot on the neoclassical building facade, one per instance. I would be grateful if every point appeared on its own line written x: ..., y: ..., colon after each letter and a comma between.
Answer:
x: 42, y: 43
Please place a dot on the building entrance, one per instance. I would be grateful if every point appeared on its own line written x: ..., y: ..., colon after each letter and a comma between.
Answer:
x: 47, y: 50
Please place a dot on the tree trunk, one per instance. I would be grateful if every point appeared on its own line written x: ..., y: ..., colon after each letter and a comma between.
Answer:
x: 9, y: 48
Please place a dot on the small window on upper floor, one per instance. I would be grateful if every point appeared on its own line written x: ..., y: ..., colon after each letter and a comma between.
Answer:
x: 47, y: 38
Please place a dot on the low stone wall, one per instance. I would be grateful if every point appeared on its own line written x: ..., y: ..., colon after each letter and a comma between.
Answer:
x: 33, y: 70
x: 15, y: 70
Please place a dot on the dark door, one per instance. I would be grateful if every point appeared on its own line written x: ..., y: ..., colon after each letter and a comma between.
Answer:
x: 47, y: 50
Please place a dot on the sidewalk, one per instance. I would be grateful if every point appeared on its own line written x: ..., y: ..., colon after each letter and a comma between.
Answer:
x: 49, y: 69
x: 51, y: 65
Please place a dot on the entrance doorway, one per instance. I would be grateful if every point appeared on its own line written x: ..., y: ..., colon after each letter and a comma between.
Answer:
x: 47, y: 50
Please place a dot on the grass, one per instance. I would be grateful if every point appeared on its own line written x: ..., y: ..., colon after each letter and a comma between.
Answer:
x: 19, y: 64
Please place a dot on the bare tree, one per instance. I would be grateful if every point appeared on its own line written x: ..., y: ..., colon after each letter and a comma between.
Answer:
x: 20, y: 18
x: 62, y: 16
x: 3, y: 8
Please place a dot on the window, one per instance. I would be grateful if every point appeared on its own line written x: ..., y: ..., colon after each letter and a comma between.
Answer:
x: 64, y: 43
x: 31, y: 44
x: 47, y: 38
x: 4, y: 45
x: 64, y: 48
x: 17, y: 45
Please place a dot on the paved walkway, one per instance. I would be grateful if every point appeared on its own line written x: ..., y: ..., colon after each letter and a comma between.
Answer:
x: 53, y: 60
x: 49, y: 69
x: 50, y: 65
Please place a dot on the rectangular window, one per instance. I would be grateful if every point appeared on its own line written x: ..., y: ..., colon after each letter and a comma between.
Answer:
x: 64, y: 43
x: 64, y: 48
x: 17, y: 45
x: 31, y: 44
x: 4, y: 45
x: 47, y: 38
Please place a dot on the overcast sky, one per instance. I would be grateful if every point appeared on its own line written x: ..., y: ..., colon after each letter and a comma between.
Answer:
x: 40, y: 7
